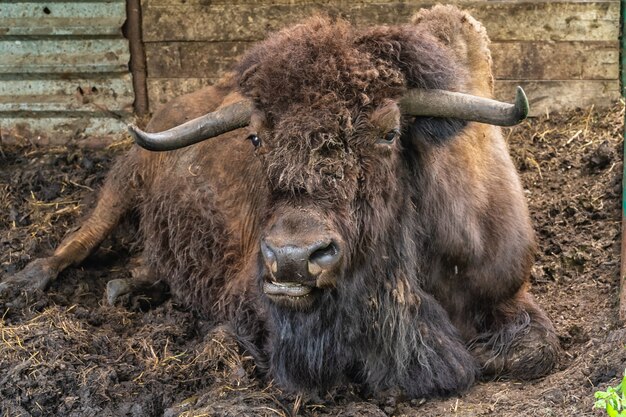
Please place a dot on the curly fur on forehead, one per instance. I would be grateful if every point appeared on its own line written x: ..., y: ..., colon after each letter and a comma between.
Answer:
x: 324, y: 63
x: 317, y: 85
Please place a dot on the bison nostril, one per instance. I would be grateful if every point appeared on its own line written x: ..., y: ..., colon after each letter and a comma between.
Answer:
x: 269, y: 256
x: 324, y: 257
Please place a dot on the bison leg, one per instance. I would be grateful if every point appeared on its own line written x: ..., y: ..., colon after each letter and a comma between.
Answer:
x: 424, y: 356
x: 139, y: 293
x: 442, y: 365
x: 522, y: 343
x: 113, y: 202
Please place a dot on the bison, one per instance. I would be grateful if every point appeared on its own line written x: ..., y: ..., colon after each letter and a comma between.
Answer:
x: 348, y: 208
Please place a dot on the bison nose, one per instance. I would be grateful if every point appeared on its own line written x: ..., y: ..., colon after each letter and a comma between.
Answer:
x: 294, y: 263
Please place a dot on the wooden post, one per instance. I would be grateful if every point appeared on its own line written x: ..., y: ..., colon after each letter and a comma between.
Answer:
x: 622, y: 273
x: 137, y: 56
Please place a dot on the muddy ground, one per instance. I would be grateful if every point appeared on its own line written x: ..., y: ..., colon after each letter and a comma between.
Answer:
x: 69, y: 354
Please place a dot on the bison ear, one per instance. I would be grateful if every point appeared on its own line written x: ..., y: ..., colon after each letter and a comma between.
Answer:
x: 245, y: 77
x: 246, y: 71
x: 423, y: 62
x: 246, y: 80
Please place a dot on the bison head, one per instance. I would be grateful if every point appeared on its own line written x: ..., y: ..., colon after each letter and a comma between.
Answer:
x: 335, y: 116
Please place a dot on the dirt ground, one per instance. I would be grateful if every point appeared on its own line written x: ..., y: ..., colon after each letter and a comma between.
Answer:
x: 67, y: 353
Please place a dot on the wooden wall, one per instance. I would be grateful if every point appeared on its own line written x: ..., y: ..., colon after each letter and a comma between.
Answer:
x: 564, y: 53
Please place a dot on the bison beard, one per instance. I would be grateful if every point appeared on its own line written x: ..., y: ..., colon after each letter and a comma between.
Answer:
x: 376, y: 328
x: 380, y: 347
x: 346, y: 241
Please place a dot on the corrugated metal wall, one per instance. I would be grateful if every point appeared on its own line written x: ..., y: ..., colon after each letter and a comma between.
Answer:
x: 63, y: 70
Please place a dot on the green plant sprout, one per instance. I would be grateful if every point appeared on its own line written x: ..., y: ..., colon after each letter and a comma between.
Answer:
x: 613, y: 400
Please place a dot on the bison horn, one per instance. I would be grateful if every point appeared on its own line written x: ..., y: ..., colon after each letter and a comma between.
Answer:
x: 223, y: 120
x: 416, y: 102
x: 441, y: 103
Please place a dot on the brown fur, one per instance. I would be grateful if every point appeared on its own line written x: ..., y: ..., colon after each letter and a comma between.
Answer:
x: 434, y: 234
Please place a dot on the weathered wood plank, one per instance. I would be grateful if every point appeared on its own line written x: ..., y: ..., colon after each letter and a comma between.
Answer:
x: 544, y: 96
x: 161, y: 90
x: 551, y: 96
x: 62, y: 18
x: 89, y: 130
x: 67, y: 56
x: 95, y: 95
x: 162, y: 3
x: 523, y: 60
x: 554, y: 21
x: 557, y: 21
x: 192, y: 59
x: 556, y: 60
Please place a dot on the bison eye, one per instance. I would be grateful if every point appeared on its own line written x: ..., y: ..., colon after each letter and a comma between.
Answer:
x: 256, y: 141
x: 389, y: 136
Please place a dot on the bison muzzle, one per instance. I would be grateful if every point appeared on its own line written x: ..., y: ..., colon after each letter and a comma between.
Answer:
x: 348, y: 208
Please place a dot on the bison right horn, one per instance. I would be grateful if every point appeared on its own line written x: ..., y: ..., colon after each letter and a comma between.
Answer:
x: 442, y: 103
x: 223, y: 120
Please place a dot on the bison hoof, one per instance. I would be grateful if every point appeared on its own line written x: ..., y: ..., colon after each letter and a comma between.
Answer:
x: 34, y: 278
x: 136, y: 295
x: 116, y: 289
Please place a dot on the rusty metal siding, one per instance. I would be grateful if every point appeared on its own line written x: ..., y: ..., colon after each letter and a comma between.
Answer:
x: 63, y: 70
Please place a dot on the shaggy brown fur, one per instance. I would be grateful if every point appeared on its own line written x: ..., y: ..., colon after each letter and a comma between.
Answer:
x: 422, y: 237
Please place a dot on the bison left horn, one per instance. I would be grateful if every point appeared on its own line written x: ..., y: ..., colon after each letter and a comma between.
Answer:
x: 213, y: 124
x: 416, y: 102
